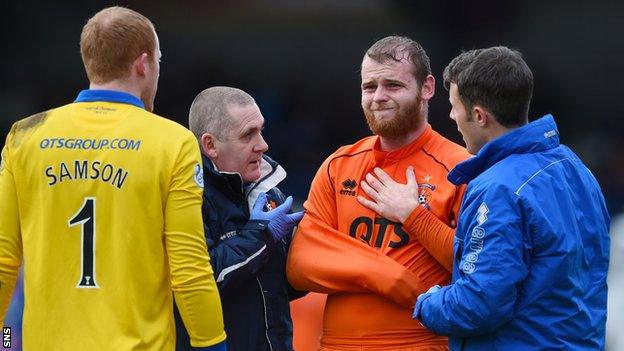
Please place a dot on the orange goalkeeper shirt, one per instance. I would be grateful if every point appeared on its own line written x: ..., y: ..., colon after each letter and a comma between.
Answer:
x: 373, y: 269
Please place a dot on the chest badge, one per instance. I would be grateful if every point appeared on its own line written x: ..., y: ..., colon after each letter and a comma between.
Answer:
x: 198, y: 175
x: 425, y: 192
x: 270, y: 205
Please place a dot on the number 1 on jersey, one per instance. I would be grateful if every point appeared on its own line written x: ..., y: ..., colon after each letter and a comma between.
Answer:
x: 85, y: 217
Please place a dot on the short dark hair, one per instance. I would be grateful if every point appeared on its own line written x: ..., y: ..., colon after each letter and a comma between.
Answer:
x: 395, y: 47
x: 496, y: 78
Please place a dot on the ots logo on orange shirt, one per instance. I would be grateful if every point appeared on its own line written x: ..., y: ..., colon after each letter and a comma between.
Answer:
x: 366, y: 225
x: 374, y: 231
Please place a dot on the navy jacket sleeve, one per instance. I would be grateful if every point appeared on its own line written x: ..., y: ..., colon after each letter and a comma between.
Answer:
x: 490, y: 243
x: 238, y: 258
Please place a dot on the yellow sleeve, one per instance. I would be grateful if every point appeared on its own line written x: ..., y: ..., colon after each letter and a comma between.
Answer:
x: 192, y: 277
x: 10, y: 235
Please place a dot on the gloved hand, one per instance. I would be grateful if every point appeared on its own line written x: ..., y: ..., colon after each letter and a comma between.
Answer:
x: 280, y: 221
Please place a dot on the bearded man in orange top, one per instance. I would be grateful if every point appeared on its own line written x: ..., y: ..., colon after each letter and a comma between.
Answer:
x: 373, y: 269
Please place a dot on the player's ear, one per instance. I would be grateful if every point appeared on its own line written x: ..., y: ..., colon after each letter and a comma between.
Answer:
x: 481, y: 115
x: 140, y: 64
x: 427, y: 90
x: 208, y: 145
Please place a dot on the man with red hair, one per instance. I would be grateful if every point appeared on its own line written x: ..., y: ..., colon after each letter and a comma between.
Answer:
x: 101, y: 202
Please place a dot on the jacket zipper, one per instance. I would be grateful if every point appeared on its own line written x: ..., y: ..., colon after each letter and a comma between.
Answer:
x: 266, y: 323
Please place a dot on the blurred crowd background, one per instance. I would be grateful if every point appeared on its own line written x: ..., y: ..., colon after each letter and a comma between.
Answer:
x: 301, y: 59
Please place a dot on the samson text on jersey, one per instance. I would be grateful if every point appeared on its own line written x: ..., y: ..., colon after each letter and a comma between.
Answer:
x: 86, y: 170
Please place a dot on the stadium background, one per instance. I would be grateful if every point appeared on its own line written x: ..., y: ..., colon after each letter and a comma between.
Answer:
x: 300, y: 60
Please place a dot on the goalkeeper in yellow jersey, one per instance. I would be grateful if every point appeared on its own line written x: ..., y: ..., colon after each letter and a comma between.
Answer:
x: 100, y: 200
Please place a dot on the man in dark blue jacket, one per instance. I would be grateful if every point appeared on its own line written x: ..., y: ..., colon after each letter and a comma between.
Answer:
x: 247, y: 221
x: 532, y: 243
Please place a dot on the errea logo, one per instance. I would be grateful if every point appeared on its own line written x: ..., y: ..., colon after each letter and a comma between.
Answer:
x: 349, y: 185
x: 475, y: 242
x: 482, y: 213
x: 550, y: 133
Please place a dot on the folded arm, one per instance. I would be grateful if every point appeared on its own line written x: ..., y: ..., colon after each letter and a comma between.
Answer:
x: 323, y: 259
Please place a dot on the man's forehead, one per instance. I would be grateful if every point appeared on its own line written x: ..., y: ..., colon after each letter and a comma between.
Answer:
x: 452, y: 90
x: 390, y: 56
x: 245, y: 116
x: 454, y: 97
x: 372, y: 68
x: 236, y: 109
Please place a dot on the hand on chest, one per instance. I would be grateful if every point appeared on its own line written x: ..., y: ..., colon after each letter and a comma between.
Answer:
x: 365, y: 224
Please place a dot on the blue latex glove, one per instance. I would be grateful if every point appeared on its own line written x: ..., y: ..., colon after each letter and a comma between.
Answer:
x: 423, y: 297
x: 281, y: 223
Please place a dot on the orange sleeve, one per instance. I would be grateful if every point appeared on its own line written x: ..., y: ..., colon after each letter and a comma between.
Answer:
x: 322, y: 259
x: 433, y: 234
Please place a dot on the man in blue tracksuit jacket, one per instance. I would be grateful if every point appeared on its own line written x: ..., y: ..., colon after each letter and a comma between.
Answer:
x: 531, y: 246
x: 247, y: 222
x: 532, y: 242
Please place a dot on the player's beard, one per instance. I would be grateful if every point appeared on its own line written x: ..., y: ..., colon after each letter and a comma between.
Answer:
x: 406, y: 119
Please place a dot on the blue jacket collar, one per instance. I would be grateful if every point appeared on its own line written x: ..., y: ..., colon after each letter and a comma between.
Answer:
x: 90, y: 95
x: 539, y: 135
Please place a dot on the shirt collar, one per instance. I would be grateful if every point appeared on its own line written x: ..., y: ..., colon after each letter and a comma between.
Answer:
x: 91, y: 95
x: 405, y: 151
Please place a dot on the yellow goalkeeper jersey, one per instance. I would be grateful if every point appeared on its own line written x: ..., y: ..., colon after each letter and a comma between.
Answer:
x: 101, y: 201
